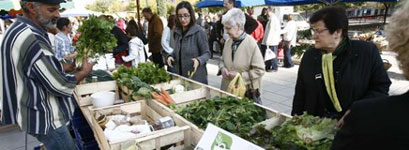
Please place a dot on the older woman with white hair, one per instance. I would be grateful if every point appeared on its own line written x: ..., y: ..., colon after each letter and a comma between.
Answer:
x: 241, y: 54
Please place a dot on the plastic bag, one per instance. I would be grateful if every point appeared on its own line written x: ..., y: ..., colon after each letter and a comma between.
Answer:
x: 269, y: 54
x: 237, y: 86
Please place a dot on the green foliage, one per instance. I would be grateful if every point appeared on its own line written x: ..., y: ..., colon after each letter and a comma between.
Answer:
x: 95, y: 38
x: 300, y: 49
x: 232, y: 114
x: 146, y: 72
x: 161, y: 4
x: 305, y: 132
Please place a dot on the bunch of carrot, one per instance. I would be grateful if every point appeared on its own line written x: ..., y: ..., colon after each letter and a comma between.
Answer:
x: 163, y: 97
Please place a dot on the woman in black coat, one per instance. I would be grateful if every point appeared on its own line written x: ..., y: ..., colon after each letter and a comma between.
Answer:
x: 337, y: 71
x: 382, y: 123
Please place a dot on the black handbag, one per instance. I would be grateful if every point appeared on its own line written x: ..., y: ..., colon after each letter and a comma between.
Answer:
x: 252, y: 93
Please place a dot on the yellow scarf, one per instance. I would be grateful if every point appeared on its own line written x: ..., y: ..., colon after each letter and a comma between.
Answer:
x: 327, y: 69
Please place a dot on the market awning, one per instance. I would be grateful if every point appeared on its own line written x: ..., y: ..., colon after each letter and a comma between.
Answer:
x: 303, y: 2
x: 239, y: 3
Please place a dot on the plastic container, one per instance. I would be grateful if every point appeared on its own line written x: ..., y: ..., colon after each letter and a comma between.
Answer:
x: 102, y: 99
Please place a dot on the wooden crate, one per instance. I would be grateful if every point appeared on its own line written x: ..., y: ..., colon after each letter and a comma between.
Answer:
x: 210, y: 92
x: 178, y: 135
x: 84, y: 91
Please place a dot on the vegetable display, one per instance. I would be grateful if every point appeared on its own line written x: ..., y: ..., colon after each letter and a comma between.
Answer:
x: 230, y: 113
x: 95, y: 38
x: 147, y: 72
x: 305, y: 132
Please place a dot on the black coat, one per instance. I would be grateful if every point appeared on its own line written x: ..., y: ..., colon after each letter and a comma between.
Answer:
x: 122, y: 40
x: 376, y: 124
x: 358, y: 73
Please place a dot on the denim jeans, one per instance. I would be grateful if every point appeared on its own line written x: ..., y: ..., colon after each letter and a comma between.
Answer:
x: 288, y: 62
x: 58, y: 139
x: 272, y: 63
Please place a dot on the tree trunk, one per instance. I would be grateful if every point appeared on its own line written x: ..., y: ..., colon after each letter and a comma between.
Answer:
x: 386, y: 12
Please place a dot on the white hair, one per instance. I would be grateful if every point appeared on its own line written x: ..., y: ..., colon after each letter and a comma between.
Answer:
x: 234, y: 17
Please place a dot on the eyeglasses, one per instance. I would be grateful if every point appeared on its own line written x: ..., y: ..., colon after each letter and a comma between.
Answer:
x: 184, y: 16
x: 316, y: 31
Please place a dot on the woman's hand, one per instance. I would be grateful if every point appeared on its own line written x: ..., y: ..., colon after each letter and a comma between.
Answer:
x: 225, y: 73
x: 195, y: 64
x: 170, y: 61
x: 232, y: 74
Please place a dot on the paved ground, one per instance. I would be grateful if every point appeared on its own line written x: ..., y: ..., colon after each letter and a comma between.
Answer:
x: 277, y: 93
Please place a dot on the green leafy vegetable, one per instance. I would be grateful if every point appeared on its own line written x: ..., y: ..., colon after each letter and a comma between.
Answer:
x: 230, y: 113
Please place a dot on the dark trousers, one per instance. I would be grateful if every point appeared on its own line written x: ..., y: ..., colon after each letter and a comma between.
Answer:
x: 157, y: 59
x: 288, y: 62
x: 272, y: 63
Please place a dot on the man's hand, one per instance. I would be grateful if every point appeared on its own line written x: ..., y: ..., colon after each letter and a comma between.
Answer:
x: 68, y: 67
x: 87, y: 66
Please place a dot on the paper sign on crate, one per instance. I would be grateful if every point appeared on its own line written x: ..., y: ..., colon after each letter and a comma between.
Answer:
x: 215, y: 138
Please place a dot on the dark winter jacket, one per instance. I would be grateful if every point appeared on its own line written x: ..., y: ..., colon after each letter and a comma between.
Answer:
x: 358, y: 73
x: 376, y: 124
x: 122, y: 40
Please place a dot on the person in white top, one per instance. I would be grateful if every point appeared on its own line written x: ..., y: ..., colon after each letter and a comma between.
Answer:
x: 136, y: 46
x: 166, y: 38
x: 271, y: 39
x: 289, y: 40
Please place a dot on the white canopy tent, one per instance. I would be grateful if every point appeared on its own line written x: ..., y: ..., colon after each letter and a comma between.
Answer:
x: 78, y: 13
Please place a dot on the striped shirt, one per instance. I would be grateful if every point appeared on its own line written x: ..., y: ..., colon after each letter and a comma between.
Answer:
x: 35, y: 91
x: 63, y: 46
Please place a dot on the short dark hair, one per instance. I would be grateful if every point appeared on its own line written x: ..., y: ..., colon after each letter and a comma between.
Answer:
x: 188, y: 6
x: 334, y: 18
x: 61, y: 22
x: 147, y: 10
x: 171, y: 21
x: 132, y: 28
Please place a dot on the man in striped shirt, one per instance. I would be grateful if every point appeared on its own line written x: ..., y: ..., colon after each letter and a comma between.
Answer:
x: 35, y: 91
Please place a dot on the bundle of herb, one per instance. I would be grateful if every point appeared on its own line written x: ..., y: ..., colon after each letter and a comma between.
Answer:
x: 232, y: 114
x: 95, y: 38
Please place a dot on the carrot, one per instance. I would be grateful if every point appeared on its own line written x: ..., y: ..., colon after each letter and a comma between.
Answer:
x: 167, y: 96
x: 159, y: 98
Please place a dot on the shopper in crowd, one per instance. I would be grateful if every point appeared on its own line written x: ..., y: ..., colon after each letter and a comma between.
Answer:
x: 250, y: 25
x: 271, y: 40
x: 337, y: 71
x: 381, y: 123
x: 136, y: 45
x: 122, y: 48
x: 139, y: 31
x: 289, y: 40
x: 166, y: 38
x: 35, y: 91
x: 190, y: 49
x: 64, y: 50
x: 200, y: 20
x: 155, y: 29
x: 241, y: 54
x: 264, y: 18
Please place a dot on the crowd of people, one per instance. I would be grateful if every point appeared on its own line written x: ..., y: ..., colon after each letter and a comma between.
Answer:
x: 339, y: 78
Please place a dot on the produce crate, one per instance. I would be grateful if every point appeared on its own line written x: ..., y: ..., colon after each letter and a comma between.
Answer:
x: 177, y: 135
x: 83, y: 92
x: 274, y: 117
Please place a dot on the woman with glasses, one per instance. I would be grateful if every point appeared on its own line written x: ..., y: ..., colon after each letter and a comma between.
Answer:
x: 189, y: 43
x: 337, y: 71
